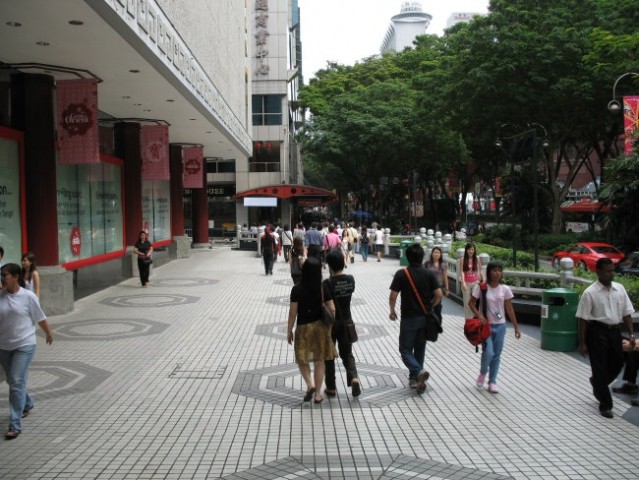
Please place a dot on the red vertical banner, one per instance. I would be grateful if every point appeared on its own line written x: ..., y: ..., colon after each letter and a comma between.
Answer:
x: 154, y: 150
x: 630, y: 122
x: 77, y: 121
x: 498, y: 192
x: 193, y: 167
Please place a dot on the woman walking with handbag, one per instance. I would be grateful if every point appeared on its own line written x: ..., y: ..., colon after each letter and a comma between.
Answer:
x: 143, y: 249
x: 339, y: 288
x: 313, y: 343
x: 498, y: 305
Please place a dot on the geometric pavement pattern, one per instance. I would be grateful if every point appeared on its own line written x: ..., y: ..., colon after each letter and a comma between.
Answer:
x: 61, y: 379
x: 400, y: 467
x: 381, y: 386
x: 286, y: 299
x: 98, y: 329
x: 182, y: 282
x: 149, y: 300
x: 279, y: 331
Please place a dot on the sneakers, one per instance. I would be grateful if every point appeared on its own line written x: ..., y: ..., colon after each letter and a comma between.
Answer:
x: 492, y: 388
x: 480, y: 381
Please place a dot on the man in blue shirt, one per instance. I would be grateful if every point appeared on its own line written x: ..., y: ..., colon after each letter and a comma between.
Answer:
x: 314, y: 242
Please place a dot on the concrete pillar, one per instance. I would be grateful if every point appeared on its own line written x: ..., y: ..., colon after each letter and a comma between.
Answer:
x: 181, y: 244
x: 127, y: 147
x: 32, y: 101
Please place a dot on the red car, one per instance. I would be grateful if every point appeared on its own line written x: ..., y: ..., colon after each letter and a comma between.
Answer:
x: 585, y: 255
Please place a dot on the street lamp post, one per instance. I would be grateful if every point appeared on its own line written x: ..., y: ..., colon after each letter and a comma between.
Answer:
x: 537, y: 144
x: 614, y: 105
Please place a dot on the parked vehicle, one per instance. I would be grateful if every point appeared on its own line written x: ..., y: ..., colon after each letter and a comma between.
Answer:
x: 629, y: 265
x: 585, y: 254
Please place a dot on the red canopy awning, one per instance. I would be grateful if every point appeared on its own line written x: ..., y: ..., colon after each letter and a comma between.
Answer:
x: 584, y: 206
x: 287, y: 191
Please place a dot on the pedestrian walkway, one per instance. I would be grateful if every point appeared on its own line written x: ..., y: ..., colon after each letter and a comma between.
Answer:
x: 192, y: 378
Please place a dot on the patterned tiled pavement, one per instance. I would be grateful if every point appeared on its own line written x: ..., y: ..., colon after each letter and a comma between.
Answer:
x: 193, y: 378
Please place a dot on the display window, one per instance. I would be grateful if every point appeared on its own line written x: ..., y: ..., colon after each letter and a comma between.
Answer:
x: 12, y: 196
x: 90, y: 212
x: 156, y: 211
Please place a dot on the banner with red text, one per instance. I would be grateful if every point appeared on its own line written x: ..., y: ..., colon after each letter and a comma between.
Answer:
x: 193, y: 165
x: 154, y: 149
x: 630, y: 122
x: 77, y: 121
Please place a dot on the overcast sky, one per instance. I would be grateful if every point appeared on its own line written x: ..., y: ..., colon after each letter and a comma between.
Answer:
x: 346, y: 31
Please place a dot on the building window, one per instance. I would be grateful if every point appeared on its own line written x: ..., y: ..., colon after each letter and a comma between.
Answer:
x: 220, y: 165
x: 267, y: 110
x: 266, y: 157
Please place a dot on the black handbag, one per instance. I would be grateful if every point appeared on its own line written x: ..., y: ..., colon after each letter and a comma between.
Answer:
x: 433, y: 322
x: 147, y: 261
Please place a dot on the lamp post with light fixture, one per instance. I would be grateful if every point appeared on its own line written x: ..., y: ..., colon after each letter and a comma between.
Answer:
x: 614, y: 105
x: 526, y: 144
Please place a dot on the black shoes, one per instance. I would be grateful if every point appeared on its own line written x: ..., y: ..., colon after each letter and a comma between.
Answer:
x: 626, y: 388
x: 606, y: 413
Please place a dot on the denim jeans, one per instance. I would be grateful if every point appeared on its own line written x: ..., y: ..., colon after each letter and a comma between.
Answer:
x: 16, y: 366
x: 412, y: 343
x: 491, y: 352
x: 363, y: 249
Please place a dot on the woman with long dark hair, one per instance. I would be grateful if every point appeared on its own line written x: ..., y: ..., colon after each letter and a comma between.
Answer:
x: 296, y: 259
x: 313, y: 342
x: 438, y: 266
x: 30, y: 274
x: 498, y: 306
x: 143, y: 249
x: 471, y: 275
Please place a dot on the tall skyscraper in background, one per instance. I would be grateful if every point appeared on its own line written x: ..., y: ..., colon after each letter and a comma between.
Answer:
x: 404, y: 27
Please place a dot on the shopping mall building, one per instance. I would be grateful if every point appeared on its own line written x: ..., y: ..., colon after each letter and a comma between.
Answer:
x: 118, y: 116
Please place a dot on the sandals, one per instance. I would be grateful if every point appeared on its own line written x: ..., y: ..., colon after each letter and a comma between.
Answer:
x: 25, y: 412
x: 318, y: 399
x: 309, y: 395
x: 12, y: 433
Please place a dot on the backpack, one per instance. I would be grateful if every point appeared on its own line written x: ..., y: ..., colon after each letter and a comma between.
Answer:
x: 474, y: 331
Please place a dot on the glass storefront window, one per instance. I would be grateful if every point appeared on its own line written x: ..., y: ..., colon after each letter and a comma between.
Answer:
x: 90, y: 219
x: 11, y: 239
x: 156, y: 209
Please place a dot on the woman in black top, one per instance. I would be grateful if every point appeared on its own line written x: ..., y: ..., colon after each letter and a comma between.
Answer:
x: 312, y: 337
x: 268, y: 248
x: 143, y: 250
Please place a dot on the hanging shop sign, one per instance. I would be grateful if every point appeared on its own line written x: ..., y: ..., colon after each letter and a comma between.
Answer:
x: 192, y: 164
x: 154, y: 149
x: 77, y: 121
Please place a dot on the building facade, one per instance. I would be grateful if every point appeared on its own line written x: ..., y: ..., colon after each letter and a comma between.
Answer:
x: 275, y: 56
x: 78, y: 199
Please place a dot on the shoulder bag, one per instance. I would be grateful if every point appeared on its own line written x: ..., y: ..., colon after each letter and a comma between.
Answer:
x: 474, y: 330
x: 433, y: 322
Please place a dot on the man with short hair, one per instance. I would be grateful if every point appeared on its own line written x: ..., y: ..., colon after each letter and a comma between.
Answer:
x: 412, y: 329
x: 602, y: 308
x: 314, y: 242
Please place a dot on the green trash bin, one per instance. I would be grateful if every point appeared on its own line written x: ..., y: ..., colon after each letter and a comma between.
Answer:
x: 403, y: 245
x: 558, y: 320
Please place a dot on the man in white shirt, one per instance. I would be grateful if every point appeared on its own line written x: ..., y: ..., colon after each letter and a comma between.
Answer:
x: 602, y: 308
